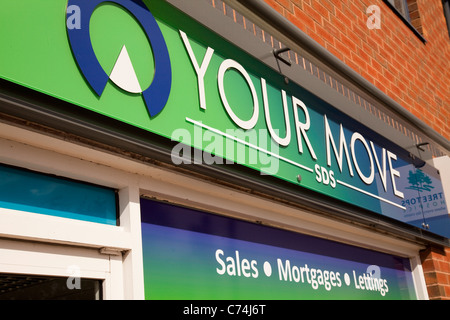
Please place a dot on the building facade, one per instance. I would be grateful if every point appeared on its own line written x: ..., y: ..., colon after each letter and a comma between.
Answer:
x: 401, y: 47
x: 403, y: 56
x: 207, y: 149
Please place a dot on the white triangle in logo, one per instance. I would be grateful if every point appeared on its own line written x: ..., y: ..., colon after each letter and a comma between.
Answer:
x: 123, y: 74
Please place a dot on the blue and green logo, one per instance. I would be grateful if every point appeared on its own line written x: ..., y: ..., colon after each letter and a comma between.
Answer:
x: 157, y: 94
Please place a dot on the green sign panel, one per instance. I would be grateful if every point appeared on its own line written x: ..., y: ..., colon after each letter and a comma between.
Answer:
x: 151, y: 66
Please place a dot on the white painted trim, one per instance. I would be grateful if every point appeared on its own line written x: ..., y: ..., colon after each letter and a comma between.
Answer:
x: 443, y: 165
x: 44, y: 153
x: 50, y: 259
x: 419, y: 278
x: 130, y: 217
x: 40, y: 227
x: 41, y: 259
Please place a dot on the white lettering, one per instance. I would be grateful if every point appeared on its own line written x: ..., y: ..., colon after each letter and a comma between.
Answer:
x: 231, y: 64
x: 301, y: 128
x: 394, y: 173
x: 235, y: 266
x: 219, y: 253
x: 342, y: 147
x: 200, y: 70
x: 287, y: 139
x: 382, y: 171
x: 284, y: 273
x: 367, y: 180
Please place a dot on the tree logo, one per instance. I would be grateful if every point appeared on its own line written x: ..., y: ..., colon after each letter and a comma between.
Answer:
x: 419, y: 181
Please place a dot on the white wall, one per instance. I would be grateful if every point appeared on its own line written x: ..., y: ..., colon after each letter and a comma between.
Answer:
x: 443, y: 165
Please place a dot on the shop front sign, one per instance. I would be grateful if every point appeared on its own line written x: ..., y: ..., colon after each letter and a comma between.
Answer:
x: 151, y: 66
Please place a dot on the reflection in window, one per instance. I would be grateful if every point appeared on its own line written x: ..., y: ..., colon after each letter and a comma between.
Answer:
x: 402, y: 7
x: 30, y: 287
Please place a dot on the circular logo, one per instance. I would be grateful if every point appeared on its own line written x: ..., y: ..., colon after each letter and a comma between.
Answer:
x: 157, y: 94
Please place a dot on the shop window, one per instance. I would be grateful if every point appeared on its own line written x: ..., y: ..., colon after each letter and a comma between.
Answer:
x: 408, y: 12
x: 29, y: 287
x: 446, y: 5
x: 401, y: 6
x: 36, y: 192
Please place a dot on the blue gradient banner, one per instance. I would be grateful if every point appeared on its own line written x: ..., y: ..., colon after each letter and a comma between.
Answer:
x: 190, y: 254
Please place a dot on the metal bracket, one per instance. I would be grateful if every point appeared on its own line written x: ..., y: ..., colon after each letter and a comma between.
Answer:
x: 420, y: 145
x: 277, y: 54
x: 418, y: 161
x: 426, y: 226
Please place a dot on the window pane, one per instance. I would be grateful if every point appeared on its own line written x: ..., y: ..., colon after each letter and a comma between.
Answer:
x: 40, y: 193
x: 28, y: 287
x: 446, y: 5
x: 401, y: 6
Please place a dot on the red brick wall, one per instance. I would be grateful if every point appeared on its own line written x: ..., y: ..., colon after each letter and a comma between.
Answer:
x: 436, y: 268
x: 393, y: 58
